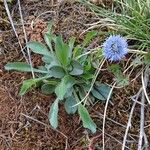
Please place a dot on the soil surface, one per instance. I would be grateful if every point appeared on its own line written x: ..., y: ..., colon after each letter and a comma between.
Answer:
x: 24, y: 123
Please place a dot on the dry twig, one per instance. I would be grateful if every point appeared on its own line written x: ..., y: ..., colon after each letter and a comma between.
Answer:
x: 130, y: 117
x: 142, y: 132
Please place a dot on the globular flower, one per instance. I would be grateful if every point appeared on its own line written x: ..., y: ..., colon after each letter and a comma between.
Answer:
x: 115, y: 48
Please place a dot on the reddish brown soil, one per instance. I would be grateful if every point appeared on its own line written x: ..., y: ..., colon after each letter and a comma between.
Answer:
x: 23, y: 120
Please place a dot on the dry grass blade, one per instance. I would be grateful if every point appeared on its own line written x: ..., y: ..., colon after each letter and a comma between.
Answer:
x: 144, y: 86
x: 25, y: 36
x: 104, y: 119
x: 142, y: 118
x: 12, y: 24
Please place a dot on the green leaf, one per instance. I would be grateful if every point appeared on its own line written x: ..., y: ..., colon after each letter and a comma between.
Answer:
x: 121, y: 80
x: 147, y: 59
x: 22, y: 66
x: 38, y: 48
x: 86, y: 86
x: 57, y: 72
x: 71, y: 46
x: 66, y: 83
x: 42, y: 68
x: 77, y: 51
x: 50, y: 25
x: 27, y: 84
x: 101, y: 91
x: 47, y: 59
x: 52, y: 82
x: 9, y: 1
x: 62, y: 51
x: 87, y: 64
x: 51, y: 61
x: 81, y: 59
x: 48, y: 39
x: 77, y: 68
x: 70, y: 101
x: 137, y: 61
x: 47, y: 88
x: 115, y: 69
x: 88, y: 75
x: 88, y: 37
x: 82, y: 93
x: 86, y: 119
x: 69, y: 92
x: 53, y: 114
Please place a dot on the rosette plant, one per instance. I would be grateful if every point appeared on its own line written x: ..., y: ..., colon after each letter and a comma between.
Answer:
x: 67, y: 73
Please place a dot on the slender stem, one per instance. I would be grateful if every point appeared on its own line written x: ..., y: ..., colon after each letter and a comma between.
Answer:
x: 137, y: 51
x: 104, y: 118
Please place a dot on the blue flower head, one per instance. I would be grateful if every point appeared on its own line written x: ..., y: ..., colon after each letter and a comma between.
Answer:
x: 115, y: 48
